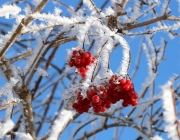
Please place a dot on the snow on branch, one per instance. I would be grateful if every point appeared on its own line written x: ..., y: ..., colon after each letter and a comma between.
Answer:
x: 90, y: 4
x: 10, y: 103
x: 6, y: 126
x: 60, y: 123
x: 23, y: 136
x: 170, y: 115
x: 42, y: 72
x: 7, y: 89
x: 106, y: 56
x: 156, y: 138
x: 18, y: 29
x: 126, y: 58
x: 7, y: 10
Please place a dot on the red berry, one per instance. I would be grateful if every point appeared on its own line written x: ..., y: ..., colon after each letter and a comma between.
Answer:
x: 80, y: 111
x: 128, y: 82
x: 96, y: 98
x: 103, y: 109
x: 78, y: 61
x: 71, y: 64
x: 88, y: 61
x: 126, y: 87
x: 81, y: 51
x: 82, y: 69
x: 92, y: 60
x: 122, y: 81
x: 135, y: 96
x: 90, y: 94
x: 113, y: 101
x: 74, y: 52
x: 83, y: 60
x: 108, y: 104
x: 121, y: 87
x: 115, y: 94
x: 87, y: 54
x: 131, y: 87
x: 111, y: 81
x: 83, y: 75
x: 93, y: 104
x: 79, y: 98
x: 133, y: 102
x: 75, y: 105
x: 103, y: 95
x: 97, y: 109
x: 124, y: 104
x: 85, y: 109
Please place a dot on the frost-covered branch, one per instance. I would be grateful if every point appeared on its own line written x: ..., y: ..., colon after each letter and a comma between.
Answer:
x: 170, y: 114
x: 24, y: 23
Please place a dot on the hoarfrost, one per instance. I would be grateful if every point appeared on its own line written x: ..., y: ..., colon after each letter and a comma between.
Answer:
x: 156, y: 138
x: 6, y: 126
x: 169, y: 111
x: 63, y: 118
x: 23, y: 136
x: 42, y: 72
x: 7, y: 10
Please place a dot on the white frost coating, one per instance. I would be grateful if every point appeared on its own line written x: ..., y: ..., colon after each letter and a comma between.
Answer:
x: 169, y: 111
x: 7, y: 10
x: 163, y: 8
x: 147, y: 82
x: 161, y: 50
x: 149, y: 58
x: 32, y: 59
x: 136, y: 12
x: 7, y: 89
x: 90, y: 6
x: 109, y: 11
x: 156, y: 138
x: 149, y: 100
x: 82, y: 31
x: 36, y: 2
x: 105, y: 57
x: 62, y: 120
x: 23, y: 136
x: 53, y: 19
x: 150, y: 44
x: 123, y: 70
x: 57, y: 11
x: 28, y: 9
x: 42, y: 72
x: 160, y: 28
x: 5, y: 127
x: 9, y: 103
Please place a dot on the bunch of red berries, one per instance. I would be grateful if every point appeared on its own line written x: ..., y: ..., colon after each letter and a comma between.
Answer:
x: 101, y: 97
x: 82, y: 105
x: 122, y: 89
x: 81, y: 59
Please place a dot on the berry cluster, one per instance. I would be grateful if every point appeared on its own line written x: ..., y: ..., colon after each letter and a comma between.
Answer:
x: 101, y: 97
x: 81, y: 59
x: 122, y: 89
